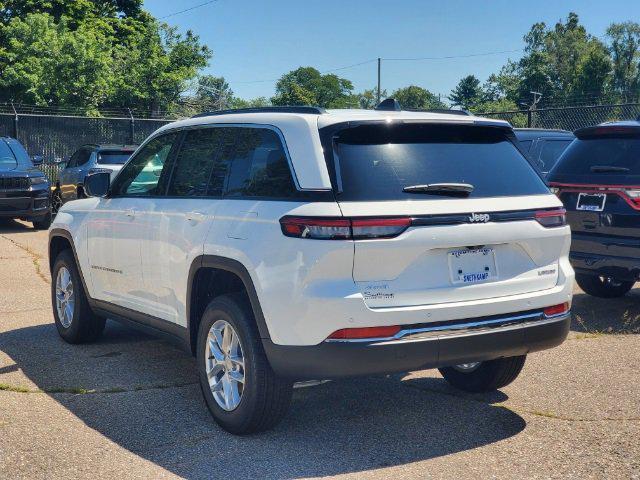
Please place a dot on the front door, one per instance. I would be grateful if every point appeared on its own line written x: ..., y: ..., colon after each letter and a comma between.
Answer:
x: 118, y: 227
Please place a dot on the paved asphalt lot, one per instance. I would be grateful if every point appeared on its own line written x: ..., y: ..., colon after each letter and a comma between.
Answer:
x: 129, y: 406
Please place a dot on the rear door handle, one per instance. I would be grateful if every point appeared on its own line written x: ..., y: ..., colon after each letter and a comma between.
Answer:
x: 130, y: 213
x: 196, y: 216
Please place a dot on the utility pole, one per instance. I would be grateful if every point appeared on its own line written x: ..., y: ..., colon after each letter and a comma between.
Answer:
x: 537, y: 96
x: 378, y: 92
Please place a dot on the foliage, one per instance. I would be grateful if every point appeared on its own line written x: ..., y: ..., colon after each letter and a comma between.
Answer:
x: 368, y: 99
x: 468, y: 93
x: 92, y: 54
x: 307, y: 86
x: 414, y: 97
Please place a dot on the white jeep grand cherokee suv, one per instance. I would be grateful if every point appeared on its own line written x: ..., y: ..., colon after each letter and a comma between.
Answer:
x: 294, y: 243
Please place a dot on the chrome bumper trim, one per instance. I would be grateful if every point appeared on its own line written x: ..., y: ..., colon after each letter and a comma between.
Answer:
x: 468, y: 327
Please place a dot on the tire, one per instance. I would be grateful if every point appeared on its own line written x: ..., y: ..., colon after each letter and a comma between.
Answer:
x: 80, y: 324
x: 42, y: 223
x: 264, y: 398
x: 603, y: 287
x: 486, y: 376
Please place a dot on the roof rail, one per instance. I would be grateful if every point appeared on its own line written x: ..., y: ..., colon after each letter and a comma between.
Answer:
x: 440, y: 110
x: 292, y: 109
x: 389, y: 105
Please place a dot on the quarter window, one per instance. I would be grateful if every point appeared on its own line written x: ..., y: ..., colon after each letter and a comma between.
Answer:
x: 141, y: 176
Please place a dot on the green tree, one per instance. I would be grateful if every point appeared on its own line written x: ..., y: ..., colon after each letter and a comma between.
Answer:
x: 307, y: 86
x: 250, y: 103
x: 368, y: 99
x: 625, y: 54
x: 414, y: 97
x: 213, y: 92
x: 47, y: 63
x: 468, y: 93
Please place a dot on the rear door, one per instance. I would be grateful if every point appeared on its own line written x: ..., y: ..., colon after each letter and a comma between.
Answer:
x: 598, y: 178
x: 457, y: 247
x: 180, y: 220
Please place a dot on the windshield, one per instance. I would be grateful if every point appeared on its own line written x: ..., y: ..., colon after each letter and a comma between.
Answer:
x: 378, y: 162
x: 115, y: 157
x: 7, y: 159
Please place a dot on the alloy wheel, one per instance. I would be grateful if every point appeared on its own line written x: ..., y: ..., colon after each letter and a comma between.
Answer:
x: 65, y: 298
x: 225, y: 365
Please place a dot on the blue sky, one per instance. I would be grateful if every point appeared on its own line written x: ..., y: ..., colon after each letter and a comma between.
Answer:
x: 256, y: 41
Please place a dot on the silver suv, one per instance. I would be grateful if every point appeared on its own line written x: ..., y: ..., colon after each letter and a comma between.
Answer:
x: 87, y: 159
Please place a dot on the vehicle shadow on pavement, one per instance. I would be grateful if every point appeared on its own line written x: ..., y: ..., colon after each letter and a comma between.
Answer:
x: 12, y: 226
x: 141, y: 393
x: 593, y: 315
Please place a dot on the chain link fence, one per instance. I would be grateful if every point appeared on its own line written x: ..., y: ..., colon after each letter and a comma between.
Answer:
x: 56, y: 137
x: 568, y: 118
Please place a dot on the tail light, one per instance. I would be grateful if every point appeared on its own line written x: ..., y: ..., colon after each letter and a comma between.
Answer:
x: 555, y: 310
x: 552, y: 218
x: 364, y: 333
x: 343, y: 228
x: 634, y: 196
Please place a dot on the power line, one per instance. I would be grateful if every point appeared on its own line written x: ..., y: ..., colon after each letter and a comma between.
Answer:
x: 448, y: 57
x: 188, y: 9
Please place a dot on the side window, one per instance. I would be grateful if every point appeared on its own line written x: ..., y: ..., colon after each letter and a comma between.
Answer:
x: 141, y: 175
x: 550, y: 152
x: 73, y: 160
x: 259, y: 166
x: 7, y: 160
x: 84, y: 155
x: 198, y: 169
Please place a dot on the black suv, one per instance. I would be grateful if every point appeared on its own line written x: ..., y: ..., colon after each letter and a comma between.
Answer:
x: 598, y: 180
x: 543, y: 147
x: 24, y: 190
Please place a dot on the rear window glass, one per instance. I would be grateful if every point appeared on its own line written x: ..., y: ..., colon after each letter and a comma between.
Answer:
x: 550, y: 153
x: 584, y: 154
x: 114, y: 157
x: 375, y: 162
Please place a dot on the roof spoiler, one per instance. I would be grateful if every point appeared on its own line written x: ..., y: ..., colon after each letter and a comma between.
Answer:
x: 608, y: 131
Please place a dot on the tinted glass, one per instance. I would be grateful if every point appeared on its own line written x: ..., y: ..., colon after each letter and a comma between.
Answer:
x: 583, y: 154
x: 20, y: 153
x: 199, y: 152
x: 550, y: 153
x: 375, y: 162
x: 259, y: 166
x: 141, y: 176
x: 79, y: 158
x: 526, y: 145
x: 7, y: 159
x: 113, y: 157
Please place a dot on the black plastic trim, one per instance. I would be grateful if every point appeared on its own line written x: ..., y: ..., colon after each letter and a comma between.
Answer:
x: 292, y: 109
x: 233, y: 266
x: 335, y: 360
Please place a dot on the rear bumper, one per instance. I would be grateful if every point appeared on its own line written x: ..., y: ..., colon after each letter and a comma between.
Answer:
x: 424, y: 348
x: 621, y: 268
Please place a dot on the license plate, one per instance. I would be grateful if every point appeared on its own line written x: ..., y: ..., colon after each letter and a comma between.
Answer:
x: 593, y: 202
x: 472, y: 265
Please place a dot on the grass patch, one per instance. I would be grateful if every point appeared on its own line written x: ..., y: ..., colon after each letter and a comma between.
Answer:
x: 5, y: 387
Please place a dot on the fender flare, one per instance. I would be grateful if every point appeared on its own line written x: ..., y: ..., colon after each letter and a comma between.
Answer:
x: 233, y: 266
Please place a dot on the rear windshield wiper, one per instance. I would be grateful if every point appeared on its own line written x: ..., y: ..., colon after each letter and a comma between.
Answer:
x: 454, y: 189
x: 608, y: 168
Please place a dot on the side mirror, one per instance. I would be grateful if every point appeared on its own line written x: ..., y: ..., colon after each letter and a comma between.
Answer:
x: 97, y: 184
x: 37, y: 160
